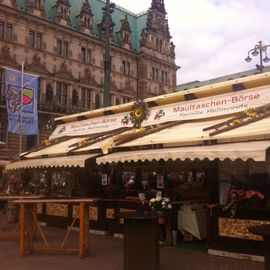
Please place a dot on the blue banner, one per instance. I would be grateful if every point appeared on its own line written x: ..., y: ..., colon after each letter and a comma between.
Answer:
x: 21, y: 109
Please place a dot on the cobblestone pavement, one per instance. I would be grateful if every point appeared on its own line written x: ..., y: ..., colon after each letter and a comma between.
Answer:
x: 106, y: 253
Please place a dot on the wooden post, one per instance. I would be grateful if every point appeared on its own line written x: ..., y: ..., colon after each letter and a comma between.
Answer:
x: 29, y: 227
x: 84, y: 229
x: 22, y: 228
x: 168, y: 230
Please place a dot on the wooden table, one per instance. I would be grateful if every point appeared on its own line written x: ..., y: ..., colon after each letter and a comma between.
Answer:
x: 141, y: 241
x: 29, y: 221
x: 263, y: 230
x: 3, y: 197
x: 19, y: 197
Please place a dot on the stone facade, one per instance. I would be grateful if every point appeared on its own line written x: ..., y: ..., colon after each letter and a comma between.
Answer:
x: 63, y: 43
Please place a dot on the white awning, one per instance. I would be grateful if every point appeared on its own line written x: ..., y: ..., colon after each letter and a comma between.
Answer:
x: 64, y: 161
x: 255, y: 150
x: 3, y: 162
x: 61, y: 148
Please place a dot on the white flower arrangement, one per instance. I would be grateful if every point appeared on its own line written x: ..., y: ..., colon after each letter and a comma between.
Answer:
x: 160, y: 204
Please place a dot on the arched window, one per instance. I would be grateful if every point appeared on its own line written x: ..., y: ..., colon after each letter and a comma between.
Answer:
x: 97, y: 102
x: 3, y: 132
x: 117, y: 101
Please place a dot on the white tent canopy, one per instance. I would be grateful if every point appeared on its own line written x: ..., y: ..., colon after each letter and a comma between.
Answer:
x: 247, y: 150
x: 63, y: 161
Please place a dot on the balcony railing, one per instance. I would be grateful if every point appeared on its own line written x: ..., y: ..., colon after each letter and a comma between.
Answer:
x: 55, y: 106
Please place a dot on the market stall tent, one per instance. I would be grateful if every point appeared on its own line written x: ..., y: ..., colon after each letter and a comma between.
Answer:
x: 217, y: 123
x: 219, y: 126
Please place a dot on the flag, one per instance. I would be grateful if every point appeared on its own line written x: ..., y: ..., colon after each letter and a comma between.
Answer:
x: 21, y: 109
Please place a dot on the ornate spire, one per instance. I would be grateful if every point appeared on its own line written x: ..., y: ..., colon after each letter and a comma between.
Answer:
x: 144, y: 37
x: 102, y: 25
x: 86, y: 9
x: 33, y: 5
x: 125, y: 24
x: 158, y: 5
x: 124, y: 34
x: 86, y: 17
x: 156, y: 19
x: 62, y: 11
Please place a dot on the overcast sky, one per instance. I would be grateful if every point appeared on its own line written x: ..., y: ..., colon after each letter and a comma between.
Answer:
x: 212, y: 37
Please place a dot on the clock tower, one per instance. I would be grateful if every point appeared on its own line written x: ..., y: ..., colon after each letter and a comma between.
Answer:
x: 156, y: 48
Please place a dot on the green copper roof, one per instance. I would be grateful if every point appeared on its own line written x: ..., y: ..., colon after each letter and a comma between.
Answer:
x: 21, y: 4
x: 49, y: 4
x: 136, y: 21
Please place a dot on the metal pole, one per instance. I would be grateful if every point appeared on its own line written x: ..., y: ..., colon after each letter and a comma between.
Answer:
x: 107, y: 60
x: 259, y: 49
x: 261, y: 61
x: 21, y: 97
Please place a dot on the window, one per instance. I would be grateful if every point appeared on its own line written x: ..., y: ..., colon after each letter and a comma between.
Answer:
x: 86, y: 22
x: 6, y: 31
x: 31, y: 141
x: 97, y: 102
x: 117, y: 101
x: 85, y: 55
x: 39, y: 41
x: 126, y: 99
x: 2, y: 29
x: 61, y: 93
x: 126, y: 38
x: 164, y: 76
x: 32, y: 39
x: 62, y: 47
x: 59, y: 46
x: 35, y: 39
x: 126, y: 67
x: 64, y: 13
x: 65, y: 48
x: 49, y: 93
x: 37, y: 4
x: 9, y: 31
x: 74, y: 97
x: 158, y: 44
x: 3, y: 132
x: 2, y: 87
x: 86, y: 98
x: 155, y: 73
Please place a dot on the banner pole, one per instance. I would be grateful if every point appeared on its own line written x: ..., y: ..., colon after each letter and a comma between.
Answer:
x: 21, y: 126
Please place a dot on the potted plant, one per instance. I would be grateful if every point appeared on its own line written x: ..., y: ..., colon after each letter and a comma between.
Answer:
x: 160, y: 205
x: 243, y: 198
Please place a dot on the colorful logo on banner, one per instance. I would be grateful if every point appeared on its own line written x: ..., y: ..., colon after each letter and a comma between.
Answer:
x: 21, y: 108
